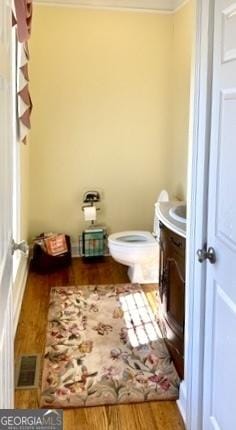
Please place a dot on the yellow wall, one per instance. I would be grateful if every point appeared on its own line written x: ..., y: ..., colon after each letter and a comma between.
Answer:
x: 182, y: 48
x: 101, y: 87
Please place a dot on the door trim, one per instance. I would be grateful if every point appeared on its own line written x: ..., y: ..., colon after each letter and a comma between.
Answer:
x: 6, y: 302
x: 191, y: 389
x: 19, y: 289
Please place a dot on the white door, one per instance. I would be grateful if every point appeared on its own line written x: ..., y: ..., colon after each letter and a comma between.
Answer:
x: 219, y: 402
x: 6, y: 195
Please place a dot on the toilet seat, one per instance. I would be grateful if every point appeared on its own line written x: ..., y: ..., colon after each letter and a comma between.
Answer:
x: 133, y: 238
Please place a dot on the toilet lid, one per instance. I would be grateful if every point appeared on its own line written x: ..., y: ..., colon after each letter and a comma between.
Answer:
x: 132, y: 238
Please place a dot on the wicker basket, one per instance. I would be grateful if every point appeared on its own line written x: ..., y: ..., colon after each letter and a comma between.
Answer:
x: 45, y: 263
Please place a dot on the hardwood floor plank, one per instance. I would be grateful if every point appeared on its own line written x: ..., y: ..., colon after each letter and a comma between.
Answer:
x: 130, y: 417
x: 30, y: 338
x: 165, y: 417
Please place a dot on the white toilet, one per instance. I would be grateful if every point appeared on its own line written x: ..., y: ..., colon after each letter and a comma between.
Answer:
x: 139, y: 250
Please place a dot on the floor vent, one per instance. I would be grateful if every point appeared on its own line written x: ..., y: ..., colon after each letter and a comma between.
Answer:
x: 27, y: 371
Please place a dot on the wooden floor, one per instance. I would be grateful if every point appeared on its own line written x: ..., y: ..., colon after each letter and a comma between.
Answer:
x: 30, y: 338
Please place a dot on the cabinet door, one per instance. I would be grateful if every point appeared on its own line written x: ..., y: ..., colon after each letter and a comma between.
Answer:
x: 172, y: 293
x: 162, y: 260
x: 173, y: 302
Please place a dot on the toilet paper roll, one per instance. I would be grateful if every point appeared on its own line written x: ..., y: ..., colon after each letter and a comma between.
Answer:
x: 90, y: 213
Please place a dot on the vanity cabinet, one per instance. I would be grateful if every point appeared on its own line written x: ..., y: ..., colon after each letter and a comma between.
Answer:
x: 172, y: 293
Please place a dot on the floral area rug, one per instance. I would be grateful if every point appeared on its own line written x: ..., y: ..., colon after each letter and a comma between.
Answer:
x: 103, y: 346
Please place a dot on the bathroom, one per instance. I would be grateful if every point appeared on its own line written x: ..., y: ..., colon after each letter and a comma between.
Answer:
x: 130, y: 98
x: 111, y: 93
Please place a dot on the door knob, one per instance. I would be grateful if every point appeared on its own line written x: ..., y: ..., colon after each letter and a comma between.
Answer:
x: 21, y: 246
x: 206, y: 254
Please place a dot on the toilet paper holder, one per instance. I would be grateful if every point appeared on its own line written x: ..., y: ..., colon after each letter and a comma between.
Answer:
x: 90, y: 198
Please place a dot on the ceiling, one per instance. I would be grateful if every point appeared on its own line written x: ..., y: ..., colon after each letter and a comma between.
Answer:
x: 151, y: 5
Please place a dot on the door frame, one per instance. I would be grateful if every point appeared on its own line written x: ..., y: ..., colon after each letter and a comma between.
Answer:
x: 6, y: 305
x: 191, y: 389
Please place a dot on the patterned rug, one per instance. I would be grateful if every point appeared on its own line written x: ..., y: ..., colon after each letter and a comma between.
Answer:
x: 103, y: 346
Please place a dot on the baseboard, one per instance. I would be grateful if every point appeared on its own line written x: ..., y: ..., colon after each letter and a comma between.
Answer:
x: 19, y: 288
x: 181, y: 403
x: 75, y: 250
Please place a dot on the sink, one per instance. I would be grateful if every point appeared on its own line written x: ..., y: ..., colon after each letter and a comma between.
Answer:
x: 178, y: 212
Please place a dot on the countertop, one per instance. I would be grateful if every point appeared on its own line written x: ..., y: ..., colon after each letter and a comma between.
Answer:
x: 162, y: 211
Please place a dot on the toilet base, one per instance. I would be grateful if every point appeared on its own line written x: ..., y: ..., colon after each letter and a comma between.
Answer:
x: 144, y: 274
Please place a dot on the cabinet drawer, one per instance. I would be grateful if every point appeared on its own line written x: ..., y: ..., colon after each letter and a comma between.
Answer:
x: 177, y: 241
x: 173, y: 243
